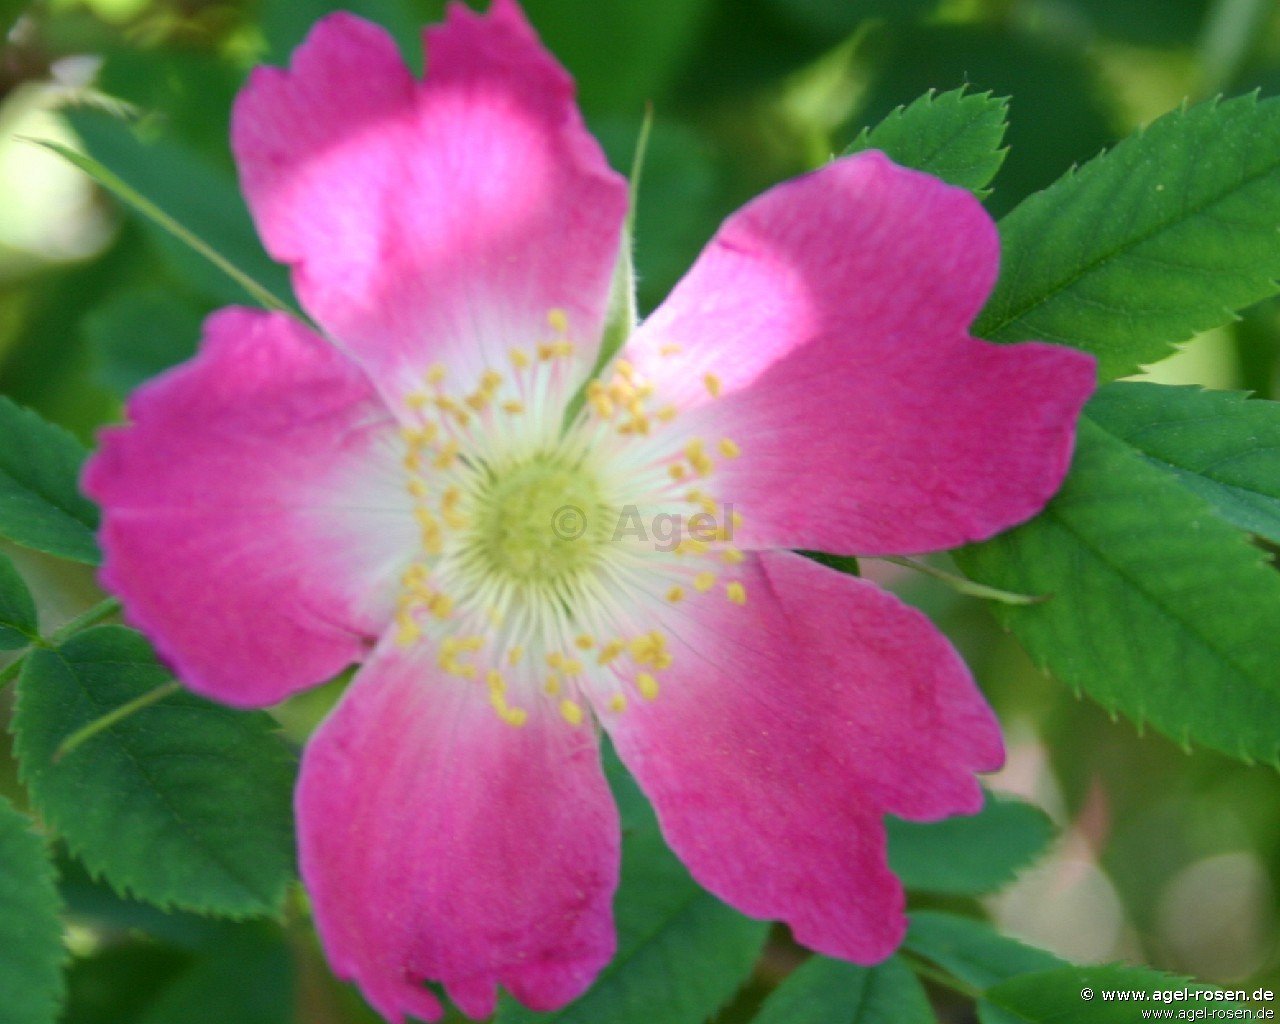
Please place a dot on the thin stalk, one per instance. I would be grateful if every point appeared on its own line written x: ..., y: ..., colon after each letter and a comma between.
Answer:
x: 102, y: 610
x: 87, y: 732
x: 11, y: 670
x: 131, y: 197
x: 965, y: 586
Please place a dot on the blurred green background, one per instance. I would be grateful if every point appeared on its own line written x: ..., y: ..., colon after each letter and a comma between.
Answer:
x: 1164, y: 858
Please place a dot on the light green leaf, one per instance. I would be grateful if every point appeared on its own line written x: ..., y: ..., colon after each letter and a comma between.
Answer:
x: 184, y: 804
x: 18, y: 626
x: 40, y: 506
x: 1158, y: 609
x: 681, y: 952
x: 31, y: 952
x: 967, y: 856
x: 953, y: 135
x: 1058, y: 996
x: 1144, y: 246
x: 971, y: 951
x: 1219, y: 444
x: 822, y: 991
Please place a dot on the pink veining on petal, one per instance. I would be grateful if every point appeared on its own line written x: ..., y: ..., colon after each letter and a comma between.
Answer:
x: 254, y: 513
x: 434, y: 221
x: 787, y: 728
x: 439, y: 842
x: 834, y: 311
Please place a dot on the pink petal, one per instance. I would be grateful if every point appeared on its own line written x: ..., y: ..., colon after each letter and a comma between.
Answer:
x: 440, y: 843
x: 834, y: 310
x: 255, y: 512
x: 786, y: 728
x: 436, y: 221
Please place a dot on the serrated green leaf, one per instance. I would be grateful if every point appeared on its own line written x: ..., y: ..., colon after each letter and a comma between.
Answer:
x: 968, y: 856
x: 953, y: 135
x: 1219, y: 444
x: 822, y: 991
x: 1158, y: 609
x: 971, y: 951
x: 1057, y: 996
x: 1146, y: 245
x: 184, y: 804
x: 681, y: 952
x: 18, y: 625
x: 31, y: 952
x: 40, y: 506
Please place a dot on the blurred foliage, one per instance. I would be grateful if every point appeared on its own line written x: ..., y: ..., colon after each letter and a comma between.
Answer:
x: 744, y: 93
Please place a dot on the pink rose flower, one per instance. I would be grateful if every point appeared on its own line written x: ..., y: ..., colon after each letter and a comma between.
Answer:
x: 406, y: 490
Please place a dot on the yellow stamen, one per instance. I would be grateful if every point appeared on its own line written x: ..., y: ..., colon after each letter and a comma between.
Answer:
x: 571, y: 711
x: 675, y: 594
x: 704, y: 581
x: 729, y: 449
x: 736, y: 592
x: 610, y: 651
x: 647, y: 685
x: 713, y: 385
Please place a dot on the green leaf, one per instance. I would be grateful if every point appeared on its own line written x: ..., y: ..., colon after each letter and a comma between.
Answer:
x: 185, y: 804
x: 18, y: 625
x: 1159, y: 610
x: 1050, y: 80
x: 1144, y: 246
x: 1057, y: 996
x: 954, y: 136
x: 967, y: 856
x: 822, y: 991
x: 971, y: 951
x: 681, y: 952
x: 31, y: 952
x: 40, y: 506
x: 1219, y: 444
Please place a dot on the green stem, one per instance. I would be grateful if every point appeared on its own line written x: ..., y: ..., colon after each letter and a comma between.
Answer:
x: 102, y: 610
x: 87, y: 732
x: 966, y: 586
x: 11, y: 670
x: 940, y: 977
x: 131, y: 197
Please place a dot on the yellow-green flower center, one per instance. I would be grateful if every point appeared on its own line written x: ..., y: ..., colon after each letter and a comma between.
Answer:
x: 543, y: 521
